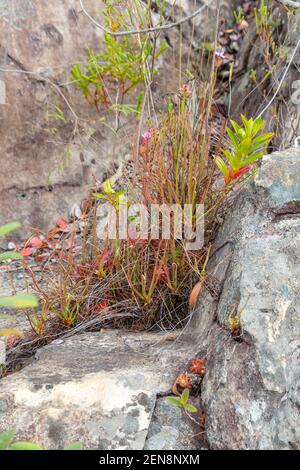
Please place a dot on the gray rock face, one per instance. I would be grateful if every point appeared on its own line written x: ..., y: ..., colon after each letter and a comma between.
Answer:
x: 96, y: 388
x: 251, y: 390
x: 248, y: 100
x: 42, y: 172
x: 171, y: 429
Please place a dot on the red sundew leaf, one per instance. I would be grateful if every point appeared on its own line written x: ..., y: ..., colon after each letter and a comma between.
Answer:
x: 197, y: 367
x: 42, y: 257
x: 101, y: 306
x: 26, y: 252
x: 36, y: 242
x: 183, y: 381
x: 62, y: 223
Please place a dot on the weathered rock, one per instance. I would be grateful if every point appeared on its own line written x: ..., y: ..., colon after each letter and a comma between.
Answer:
x: 251, y: 391
x: 170, y: 429
x: 252, y: 97
x: 96, y: 388
x: 48, y: 160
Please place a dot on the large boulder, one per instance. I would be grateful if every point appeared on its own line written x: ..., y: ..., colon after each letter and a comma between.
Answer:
x: 96, y: 388
x: 250, y: 334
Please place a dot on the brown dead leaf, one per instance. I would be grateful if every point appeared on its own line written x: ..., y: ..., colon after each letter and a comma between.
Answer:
x: 195, y: 293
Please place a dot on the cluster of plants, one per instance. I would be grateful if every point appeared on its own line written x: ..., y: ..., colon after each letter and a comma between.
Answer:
x: 124, y: 62
x: 143, y: 282
x: 182, y: 158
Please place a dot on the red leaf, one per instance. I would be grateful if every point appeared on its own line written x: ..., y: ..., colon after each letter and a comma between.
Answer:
x: 197, y: 366
x: 62, y: 223
x: 36, y: 242
x: 26, y: 252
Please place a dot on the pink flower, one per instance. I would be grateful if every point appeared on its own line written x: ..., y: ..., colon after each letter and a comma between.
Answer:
x: 185, y: 91
x: 145, y: 138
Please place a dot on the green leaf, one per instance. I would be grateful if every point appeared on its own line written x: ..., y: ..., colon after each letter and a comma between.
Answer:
x: 19, y: 301
x: 222, y: 167
x: 108, y: 189
x: 190, y: 408
x: 248, y: 124
x: 24, y: 445
x: 262, y: 139
x: 100, y: 196
x: 233, y: 138
x: 231, y: 158
x: 253, y: 158
x: 174, y: 401
x: 74, y: 446
x: 185, y: 396
x: 5, y: 229
x: 6, y: 438
x: 258, y: 125
x: 235, y: 126
x: 10, y: 255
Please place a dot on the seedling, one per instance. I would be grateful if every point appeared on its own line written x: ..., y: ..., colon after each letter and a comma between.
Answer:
x: 182, y: 402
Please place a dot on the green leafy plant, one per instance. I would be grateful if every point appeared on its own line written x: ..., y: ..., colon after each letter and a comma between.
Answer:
x: 182, y: 402
x: 122, y: 65
x: 249, y: 145
x: 7, y: 443
x: 239, y: 16
x: 262, y: 17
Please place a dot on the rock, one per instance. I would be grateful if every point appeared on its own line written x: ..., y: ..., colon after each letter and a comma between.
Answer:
x: 251, y: 391
x: 11, y: 246
x: 170, y: 429
x: 48, y: 163
x: 96, y: 388
x: 251, y: 97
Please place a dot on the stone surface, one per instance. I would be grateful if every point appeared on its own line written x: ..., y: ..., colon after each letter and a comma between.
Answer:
x: 96, y: 388
x: 48, y: 164
x: 170, y: 429
x: 251, y: 392
x: 251, y: 98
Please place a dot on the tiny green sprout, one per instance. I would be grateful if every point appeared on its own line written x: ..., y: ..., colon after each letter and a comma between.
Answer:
x: 239, y: 16
x: 253, y: 75
x: 182, y: 402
